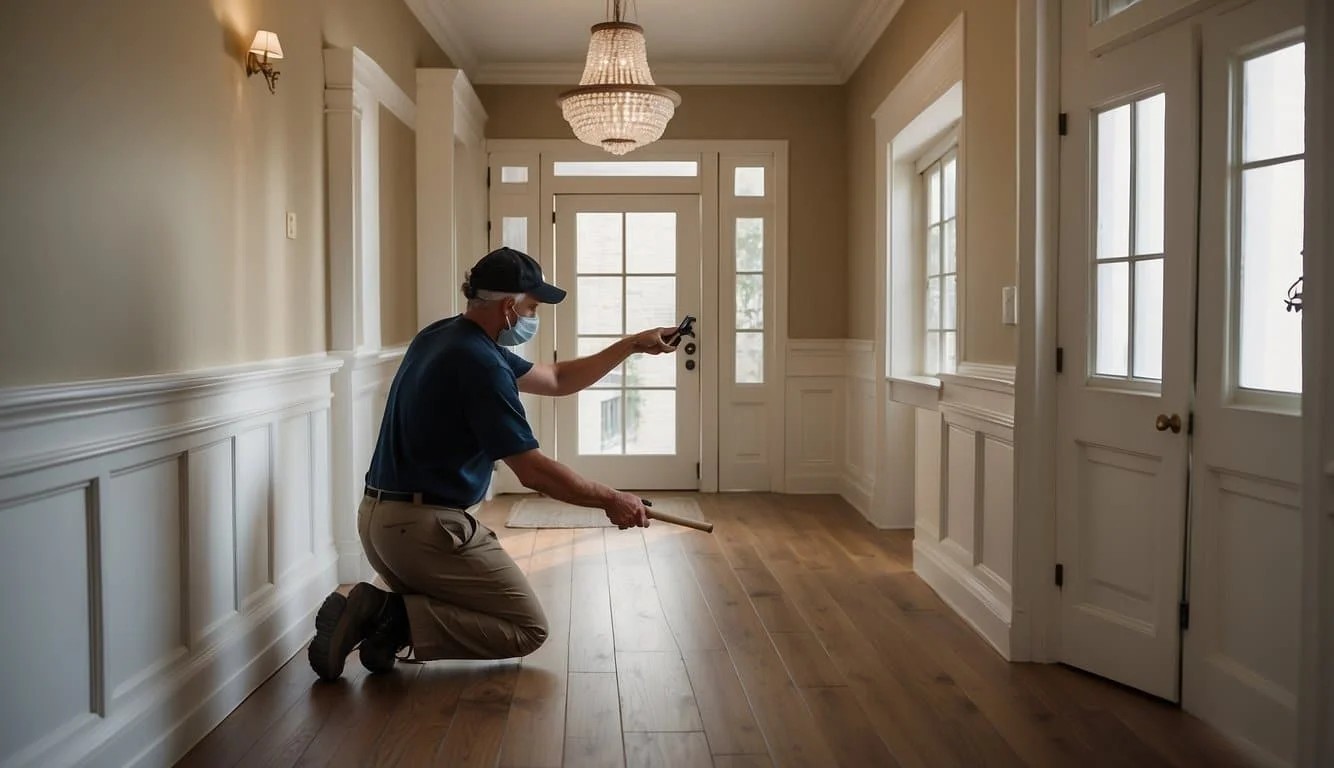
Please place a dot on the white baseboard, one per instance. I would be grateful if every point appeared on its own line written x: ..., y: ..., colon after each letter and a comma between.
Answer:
x: 965, y: 593
x: 806, y: 483
x: 858, y: 491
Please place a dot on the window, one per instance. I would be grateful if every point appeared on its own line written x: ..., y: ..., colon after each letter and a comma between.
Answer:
x: 1106, y: 9
x: 940, y: 195
x: 623, y: 168
x: 514, y: 174
x: 1268, y: 206
x: 749, y: 300
x: 1128, y: 248
x: 611, y: 425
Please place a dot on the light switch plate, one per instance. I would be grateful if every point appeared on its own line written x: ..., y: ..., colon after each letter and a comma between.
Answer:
x: 291, y: 225
x: 1009, y: 306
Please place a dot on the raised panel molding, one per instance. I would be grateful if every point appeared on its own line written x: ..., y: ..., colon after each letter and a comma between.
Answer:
x: 157, y: 496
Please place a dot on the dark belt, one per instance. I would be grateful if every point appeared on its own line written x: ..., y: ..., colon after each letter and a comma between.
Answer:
x: 424, y: 499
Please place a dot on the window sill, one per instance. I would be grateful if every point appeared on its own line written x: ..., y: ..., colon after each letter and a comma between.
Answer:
x: 917, y: 391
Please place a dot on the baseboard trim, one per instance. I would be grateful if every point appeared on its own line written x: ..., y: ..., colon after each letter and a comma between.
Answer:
x: 965, y: 593
x: 814, y: 483
x: 857, y: 491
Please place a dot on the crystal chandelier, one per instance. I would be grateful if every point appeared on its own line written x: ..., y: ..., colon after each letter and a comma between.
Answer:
x: 617, y: 106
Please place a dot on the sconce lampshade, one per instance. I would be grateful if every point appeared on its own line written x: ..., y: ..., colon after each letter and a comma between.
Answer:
x: 266, y: 45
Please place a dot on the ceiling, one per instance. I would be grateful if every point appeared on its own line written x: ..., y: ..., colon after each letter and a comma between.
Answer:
x: 689, y: 41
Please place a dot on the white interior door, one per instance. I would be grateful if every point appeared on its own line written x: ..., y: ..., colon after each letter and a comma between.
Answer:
x: 1240, y: 666
x: 1128, y: 242
x: 630, y: 262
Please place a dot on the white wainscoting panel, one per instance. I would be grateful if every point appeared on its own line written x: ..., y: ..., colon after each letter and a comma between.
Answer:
x: 142, y: 522
x: 860, y: 424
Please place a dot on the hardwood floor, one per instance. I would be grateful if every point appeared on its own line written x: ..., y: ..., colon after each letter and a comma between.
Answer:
x: 795, y: 635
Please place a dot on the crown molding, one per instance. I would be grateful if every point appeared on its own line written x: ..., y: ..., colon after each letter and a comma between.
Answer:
x: 665, y: 73
x: 864, y: 29
x: 447, y: 35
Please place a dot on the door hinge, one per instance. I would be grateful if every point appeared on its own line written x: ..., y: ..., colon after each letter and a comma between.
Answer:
x: 1185, y: 615
x: 488, y: 178
x: 1060, y: 575
x: 1190, y: 423
x: 1060, y: 359
x: 555, y: 356
x: 553, y: 217
x: 697, y: 470
x: 488, y: 227
x: 1062, y: 124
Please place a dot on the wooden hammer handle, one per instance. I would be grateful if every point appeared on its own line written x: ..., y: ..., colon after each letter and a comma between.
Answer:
x: 699, y: 525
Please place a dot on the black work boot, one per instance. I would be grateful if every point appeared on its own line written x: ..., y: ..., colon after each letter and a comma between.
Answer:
x: 341, y: 624
x: 389, y: 635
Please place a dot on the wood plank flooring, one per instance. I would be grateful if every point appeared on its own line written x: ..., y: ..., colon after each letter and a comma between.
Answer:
x: 795, y: 635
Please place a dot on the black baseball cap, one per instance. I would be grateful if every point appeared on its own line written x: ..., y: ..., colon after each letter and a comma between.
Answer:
x: 510, y: 271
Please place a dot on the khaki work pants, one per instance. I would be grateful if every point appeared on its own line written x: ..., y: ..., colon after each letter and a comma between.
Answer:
x: 466, y: 599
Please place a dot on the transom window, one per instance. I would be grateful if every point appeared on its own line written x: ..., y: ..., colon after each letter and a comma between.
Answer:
x: 940, y: 187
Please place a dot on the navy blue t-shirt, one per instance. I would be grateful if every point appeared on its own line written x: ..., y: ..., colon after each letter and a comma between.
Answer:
x: 453, y: 411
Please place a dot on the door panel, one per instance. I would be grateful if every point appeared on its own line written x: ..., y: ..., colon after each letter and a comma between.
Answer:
x: 630, y: 262
x: 1128, y: 243
x: 1240, y: 661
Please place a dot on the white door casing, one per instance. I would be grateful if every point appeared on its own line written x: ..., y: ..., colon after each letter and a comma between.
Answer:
x: 630, y: 262
x: 1240, y: 661
x: 1121, y: 482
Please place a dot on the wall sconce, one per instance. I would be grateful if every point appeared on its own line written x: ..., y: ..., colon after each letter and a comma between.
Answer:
x: 265, y: 48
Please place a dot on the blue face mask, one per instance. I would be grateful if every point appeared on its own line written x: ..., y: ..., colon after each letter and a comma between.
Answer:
x: 523, y: 330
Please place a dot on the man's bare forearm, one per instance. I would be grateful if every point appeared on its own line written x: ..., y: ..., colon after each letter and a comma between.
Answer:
x: 548, y: 476
x: 575, y: 375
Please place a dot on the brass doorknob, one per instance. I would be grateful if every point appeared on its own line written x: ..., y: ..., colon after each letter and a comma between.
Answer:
x: 1165, y: 422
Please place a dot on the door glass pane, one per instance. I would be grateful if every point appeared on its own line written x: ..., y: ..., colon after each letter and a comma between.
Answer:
x: 933, y: 304
x: 598, y: 300
x: 933, y: 195
x: 951, y: 166
x: 1113, y: 342
x: 650, y: 371
x: 749, y: 182
x: 598, y: 245
x: 650, y: 243
x: 951, y: 303
x: 601, y: 422
x: 1272, y: 205
x: 1113, y: 183
x: 1274, y: 104
x: 750, y: 302
x: 750, y: 245
x: 592, y: 346
x: 514, y: 232
x: 514, y: 174
x: 933, y: 251
x: 650, y: 421
x: 1149, y: 319
x: 1105, y: 9
x: 948, y: 246
x: 749, y: 357
x: 651, y: 168
x: 1150, y: 148
x: 650, y: 302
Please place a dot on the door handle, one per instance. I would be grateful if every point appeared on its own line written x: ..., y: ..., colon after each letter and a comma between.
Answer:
x: 690, y: 365
x: 1165, y: 422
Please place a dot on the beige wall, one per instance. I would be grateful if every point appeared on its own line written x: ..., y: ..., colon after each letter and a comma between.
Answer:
x: 398, y: 230
x: 811, y: 118
x: 989, y: 136
x: 144, y: 180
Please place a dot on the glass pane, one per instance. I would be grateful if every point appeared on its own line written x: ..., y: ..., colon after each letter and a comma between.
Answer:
x: 1149, y: 319
x: 932, y: 361
x: 650, y: 423
x: 749, y: 357
x: 1150, y: 149
x: 598, y: 300
x: 950, y: 190
x: 749, y: 182
x: 514, y: 232
x: 750, y: 245
x: 514, y: 174
x: 1113, y: 331
x: 949, y: 246
x: 933, y: 250
x: 750, y: 302
x: 951, y: 303
x: 933, y: 304
x: 1274, y: 104
x: 598, y: 243
x: 615, y: 168
x: 951, y: 354
x: 650, y: 243
x: 933, y: 195
x: 650, y: 371
x: 650, y: 302
x: 1109, y: 8
x: 1272, y: 205
x: 601, y: 421
x: 1114, y: 183
x: 592, y: 346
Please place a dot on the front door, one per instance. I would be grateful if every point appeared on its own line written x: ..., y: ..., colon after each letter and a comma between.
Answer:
x: 630, y: 262
x: 1126, y: 329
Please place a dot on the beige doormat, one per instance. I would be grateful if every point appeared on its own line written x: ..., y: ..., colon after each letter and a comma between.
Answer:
x: 549, y: 513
